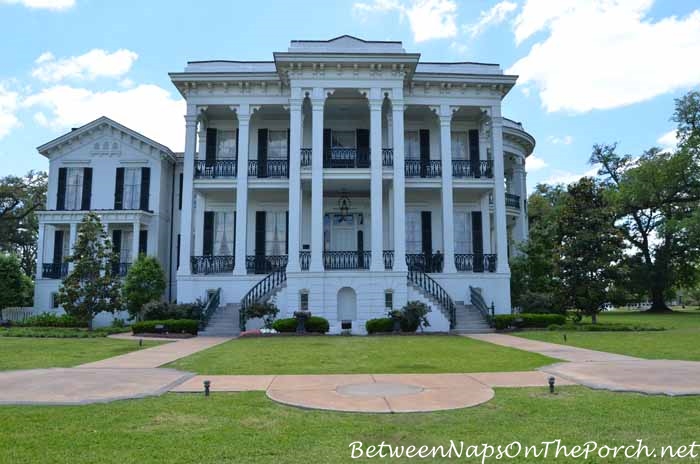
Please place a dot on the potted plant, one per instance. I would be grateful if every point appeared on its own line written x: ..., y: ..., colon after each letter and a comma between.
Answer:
x: 301, y: 316
x: 396, y: 316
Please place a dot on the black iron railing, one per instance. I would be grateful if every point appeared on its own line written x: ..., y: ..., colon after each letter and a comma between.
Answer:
x: 477, y: 300
x: 212, y: 264
x: 210, y: 308
x: 425, y: 262
x: 305, y: 155
x: 468, y: 168
x: 337, y: 260
x: 512, y: 201
x: 54, y: 270
x: 264, y: 264
x: 304, y: 259
x: 388, y: 259
x: 475, y: 262
x: 346, y: 158
x: 387, y: 157
x: 120, y: 269
x: 269, y: 168
x: 433, y: 289
x: 419, y: 168
x: 259, y: 292
x: 213, y: 169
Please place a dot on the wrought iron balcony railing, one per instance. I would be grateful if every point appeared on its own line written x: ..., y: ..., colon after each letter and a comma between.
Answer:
x: 304, y: 259
x: 305, y: 155
x: 269, y: 168
x: 265, y: 264
x: 425, y: 262
x: 475, y: 262
x: 346, y: 158
x: 207, y: 169
x: 420, y: 168
x: 388, y: 260
x: 468, y: 168
x: 339, y: 260
x: 212, y: 264
x: 387, y: 157
x: 512, y: 201
x: 54, y: 270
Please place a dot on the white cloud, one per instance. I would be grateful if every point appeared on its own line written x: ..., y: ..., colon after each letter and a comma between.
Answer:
x: 91, y: 65
x: 42, y: 4
x: 9, y: 103
x: 566, y: 140
x: 496, y: 15
x: 429, y: 19
x: 668, y: 141
x: 148, y: 109
x: 534, y: 163
x: 602, y: 54
x: 566, y: 177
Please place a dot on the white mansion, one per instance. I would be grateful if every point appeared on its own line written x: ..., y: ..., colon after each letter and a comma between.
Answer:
x: 345, y: 176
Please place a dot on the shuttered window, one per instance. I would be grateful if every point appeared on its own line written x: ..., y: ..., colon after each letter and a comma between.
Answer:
x: 223, y: 233
x: 74, y: 189
x: 414, y: 242
x: 459, y: 145
x: 275, y: 233
x: 131, y: 196
x: 411, y: 145
x: 277, y: 144
x: 462, y: 232
x: 226, y: 144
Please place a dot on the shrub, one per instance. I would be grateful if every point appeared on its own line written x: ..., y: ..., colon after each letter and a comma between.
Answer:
x: 144, y: 282
x: 52, y: 320
x: 414, y: 315
x: 157, y: 310
x: 525, y: 320
x: 314, y: 324
x: 58, y: 332
x: 382, y: 324
x: 188, y: 326
x: 265, y: 311
x: 539, y: 303
x: 604, y: 327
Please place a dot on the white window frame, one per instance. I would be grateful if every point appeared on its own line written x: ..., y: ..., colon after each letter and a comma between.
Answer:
x: 412, y: 145
x: 131, y: 196
x: 74, y: 189
x: 460, y: 145
x: 226, y: 144
x: 277, y: 144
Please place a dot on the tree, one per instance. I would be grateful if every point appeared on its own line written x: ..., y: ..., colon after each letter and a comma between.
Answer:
x: 91, y: 287
x: 20, y: 198
x: 590, y: 247
x: 145, y: 282
x: 15, y: 287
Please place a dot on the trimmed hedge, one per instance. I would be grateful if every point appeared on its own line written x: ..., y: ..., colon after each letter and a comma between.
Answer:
x: 58, y: 332
x: 314, y: 324
x: 188, y: 326
x: 525, y: 320
x: 382, y: 324
x: 605, y: 327
x: 51, y: 320
x: 162, y: 311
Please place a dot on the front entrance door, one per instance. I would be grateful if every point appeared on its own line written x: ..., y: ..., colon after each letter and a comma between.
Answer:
x: 347, y: 305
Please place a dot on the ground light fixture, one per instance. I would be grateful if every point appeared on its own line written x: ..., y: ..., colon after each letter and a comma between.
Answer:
x: 207, y: 385
x: 551, y: 384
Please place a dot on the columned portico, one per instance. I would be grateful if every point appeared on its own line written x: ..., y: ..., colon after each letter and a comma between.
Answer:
x: 187, y: 189
x: 243, y: 114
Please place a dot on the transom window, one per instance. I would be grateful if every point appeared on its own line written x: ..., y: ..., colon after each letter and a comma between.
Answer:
x: 459, y: 145
x: 277, y: 145
x: 132, y: 188
x: 74, y: 188
x: 226, y: 144
x: 411, y: 145
x: 343, y: 139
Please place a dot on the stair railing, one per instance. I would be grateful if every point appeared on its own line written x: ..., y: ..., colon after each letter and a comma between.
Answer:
x: 479, y: 303
x: 209, y: 308
x: 435, y: 290
x: 260, y: 290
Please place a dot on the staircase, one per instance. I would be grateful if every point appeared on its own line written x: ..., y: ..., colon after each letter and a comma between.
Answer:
x: 223, y: 323
x: 469, y: 320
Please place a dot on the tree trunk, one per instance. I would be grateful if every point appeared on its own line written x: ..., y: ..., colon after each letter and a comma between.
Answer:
x: 594, y: 317
x: 658, y: 305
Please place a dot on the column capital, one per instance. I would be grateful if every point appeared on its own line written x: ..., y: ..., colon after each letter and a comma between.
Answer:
x: 398, y: 106
x: 191, y: 119
x: 375, y: 105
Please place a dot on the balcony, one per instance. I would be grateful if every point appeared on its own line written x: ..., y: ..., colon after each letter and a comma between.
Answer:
x: 269, y: 168
x: 305, y: 155
x: 120, y: 269
x: 425, y: 169
x: 207, y: 169
x: 346, y: 260
x: 265, y: 264
x: 512, y: 201
x: 387, y: 157
x: 54, y: 270
x: 475, y: 262
x: 470, y: 169
x: 304, y: 260
x: 212, y: 264
x: 346, y: 158
x: 425, y: 262
x: 388, y: 260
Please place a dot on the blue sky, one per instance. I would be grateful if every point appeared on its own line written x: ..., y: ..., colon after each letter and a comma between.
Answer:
x: 591, y: 71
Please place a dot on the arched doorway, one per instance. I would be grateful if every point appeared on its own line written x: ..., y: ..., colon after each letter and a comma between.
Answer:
x: 347, y: 305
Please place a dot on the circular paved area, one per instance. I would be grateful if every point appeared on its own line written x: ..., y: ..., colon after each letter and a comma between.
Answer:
x: 387, y: 393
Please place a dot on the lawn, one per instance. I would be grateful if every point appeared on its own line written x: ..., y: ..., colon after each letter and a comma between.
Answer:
x: 249, y: 428
x: 30, y: 353
x: 367, y: 355
x: 680, y: 341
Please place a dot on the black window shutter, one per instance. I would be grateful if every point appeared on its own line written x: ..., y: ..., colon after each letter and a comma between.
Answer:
x: 260, y: 218
x: 424, y: 136
x: 145, y: 188
x: 117, y: 242
x: 426, y: 232
x: 143, y: 242
x: 236, y: 143
x: 87, y: 189
x: 474, y: 151
x: 119, y: 189
x: 177, y: 262
x: 179, y: 200
x: 262, y: 152
x: 208, y: 236
x: 234, y: 233
x: 211, y: 147
x: 477, y: 242
x: 61, y: 194
x: 58, y: 247
x: 286, y: 232
x: 327, y: 143
x: 362, y: 148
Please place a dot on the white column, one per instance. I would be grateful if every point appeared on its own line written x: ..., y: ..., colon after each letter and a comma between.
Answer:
x: 73, y: 236
x: 375, y: 139
x: 317, y: 103
x: 40, y: 250
x: 187, y: 188
x: 520, y: 230
x: 136, y: 229
x: 486, y: 223
x: 294, y: 180
x: 199, y: 206
x: 243, y: 113
x: 499, y: 194
x: 397, y: 108
x: 447, y: 201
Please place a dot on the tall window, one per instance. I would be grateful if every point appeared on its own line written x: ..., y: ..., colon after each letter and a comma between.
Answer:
x: 304, y: 300
x: 388, y: 300
x: 132, y: 188
x: 275, y: 233
x: 414, y: 243
x: 226, y: 144
x: 277, y: 145
x: 411, y: 145
x: 463, y: 232
x: 125, y: 251
x: 223, y: 233
x: 343, y: 139
x: 74, y: 188
x: 459, y: 145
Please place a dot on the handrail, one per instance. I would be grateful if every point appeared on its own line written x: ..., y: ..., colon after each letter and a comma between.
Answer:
x: 209, y: 308
x: 435, y: 290
x: 259, y: 290
x: 479, y: 303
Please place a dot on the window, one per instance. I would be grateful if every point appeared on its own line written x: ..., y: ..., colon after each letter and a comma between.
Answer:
x: 54, y: 300
x: 389, y: 300
x: 459, y: 145
x: 412, y: 145
x: 304, y: 300
x: 343, y: 139
x: 74, y: 188
x: 125, y: 250
x: 223, y: 233
x: 463, y: 232
x: 132, y: 188
x: 275, y: 233
x: 277, y: 145
x: 414, y: 242
x: 226, y: 144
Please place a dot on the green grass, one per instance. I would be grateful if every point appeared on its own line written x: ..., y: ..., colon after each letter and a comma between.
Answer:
x: 31, y: 353
x: 59, y: 332
x: 249, y: 428
x: 680, y: 341
x: 349, y: 355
